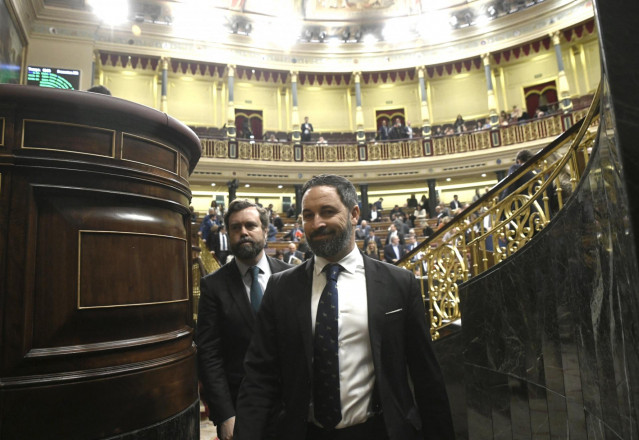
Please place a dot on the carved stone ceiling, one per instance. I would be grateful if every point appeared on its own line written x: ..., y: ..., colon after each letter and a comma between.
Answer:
x: 311, y: 35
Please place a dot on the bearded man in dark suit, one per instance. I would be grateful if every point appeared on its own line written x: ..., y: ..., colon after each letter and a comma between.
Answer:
x: 227, y: 308
x: 347, y: 353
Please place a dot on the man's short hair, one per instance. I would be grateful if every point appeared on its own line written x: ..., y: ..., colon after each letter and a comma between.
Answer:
x: 242, y: 204
x: 344, y: 187
x: 524, y: 156
x: 99, y: 89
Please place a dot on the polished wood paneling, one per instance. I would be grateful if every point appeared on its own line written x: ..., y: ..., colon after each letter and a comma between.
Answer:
x: 158, y: 274
x: 49, y: 135
x: 148, y: 152
x: 96, y: 324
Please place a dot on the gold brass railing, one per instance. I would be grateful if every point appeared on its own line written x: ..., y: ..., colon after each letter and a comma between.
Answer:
x: 498, y: 225
x: 203, y: 264
x: 529, y: 131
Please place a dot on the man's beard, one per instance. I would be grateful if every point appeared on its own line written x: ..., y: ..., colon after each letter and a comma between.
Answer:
x: 330, y: 247
x: 247, y: 252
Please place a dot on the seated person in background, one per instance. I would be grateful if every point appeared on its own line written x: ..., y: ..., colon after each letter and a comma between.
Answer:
x: 279, y: 255
x: 412, y: 201
x: 272, y: 138
x: 539, y: 113
x: 427, y: 231
x: 372, y: 251
x: 393, y: 232
x: 503, y: 118
x: 293, y: 256
x: 449, y: 130
x: 375, y: 216
x: 361, y: 232
x: 271, y: 233
x: 321, y: 141
x: 291, y: 211
x: 373, y: 238
x: 294, y: 234
x: 278, y: 223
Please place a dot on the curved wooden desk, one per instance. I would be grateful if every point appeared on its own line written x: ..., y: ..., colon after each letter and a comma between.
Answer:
x: 95, y: 304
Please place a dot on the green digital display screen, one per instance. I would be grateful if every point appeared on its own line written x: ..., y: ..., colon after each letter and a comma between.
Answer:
x: 53, y: 77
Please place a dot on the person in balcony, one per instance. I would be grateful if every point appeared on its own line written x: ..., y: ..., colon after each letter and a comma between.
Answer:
x: 459, y: 124
x: 384, y: 131
x: 515, y: 114
x: 322, y: 141
x: 397, y: 132
x: 503, y: 118
x: 306, y: 129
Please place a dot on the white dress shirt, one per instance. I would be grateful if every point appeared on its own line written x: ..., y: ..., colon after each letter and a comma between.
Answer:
x: 247, y: 278
x: 356, y: 372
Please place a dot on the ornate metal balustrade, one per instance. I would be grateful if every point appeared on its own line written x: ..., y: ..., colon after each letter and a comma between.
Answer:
x: 498, y: 225
x: 531, y: 130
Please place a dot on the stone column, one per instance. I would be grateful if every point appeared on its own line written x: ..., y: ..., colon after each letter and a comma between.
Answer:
x: 231, y: 130
x: 424, y: 102
x: 295, y: 116
x: 359, y: 115
x: 432, y: 196
x: 363, y: 190
x: 492, y: 102
x: 563, y: 89
x: 165, y: 85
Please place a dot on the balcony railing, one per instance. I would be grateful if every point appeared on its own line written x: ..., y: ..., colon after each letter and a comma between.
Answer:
x: 526, y: 131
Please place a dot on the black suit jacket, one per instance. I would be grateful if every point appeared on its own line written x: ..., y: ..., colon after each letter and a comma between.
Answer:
x: 224, y: 329
x: 306, y: 137
x: 389, y: 253
x: 279, y: 360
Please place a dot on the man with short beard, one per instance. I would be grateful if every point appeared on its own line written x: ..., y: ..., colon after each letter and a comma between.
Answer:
x: 341, y: 341
x: 229, y: 300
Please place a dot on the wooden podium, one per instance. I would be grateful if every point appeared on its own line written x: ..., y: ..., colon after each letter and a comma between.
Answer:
x: 96, y: 319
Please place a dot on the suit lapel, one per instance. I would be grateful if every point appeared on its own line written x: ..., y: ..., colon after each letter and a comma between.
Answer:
x: 375, y: 298
x: 305, y: 283
x: 238, y: 293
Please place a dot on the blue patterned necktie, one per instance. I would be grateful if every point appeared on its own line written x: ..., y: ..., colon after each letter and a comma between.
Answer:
x: 256, y: 289
x: 326, y: 396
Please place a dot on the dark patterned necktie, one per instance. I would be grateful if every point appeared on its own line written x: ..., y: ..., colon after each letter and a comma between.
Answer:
x: 256, y: 289
x: 328, y: 407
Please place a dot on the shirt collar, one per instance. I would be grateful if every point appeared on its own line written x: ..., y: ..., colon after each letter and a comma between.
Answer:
x: 262, y: 264
x: 349, y: 263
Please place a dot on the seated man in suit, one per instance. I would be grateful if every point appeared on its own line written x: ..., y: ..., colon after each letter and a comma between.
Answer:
x: 293, y: 256
x: 294, y: 234
x: 371, y: 374
x: 226, y: 313
x: 361, y: 232
x: 372, y: 237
